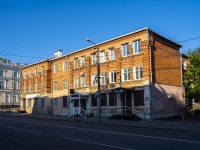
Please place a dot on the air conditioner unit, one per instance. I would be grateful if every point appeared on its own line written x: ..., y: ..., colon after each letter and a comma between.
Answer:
x: 82, y: 74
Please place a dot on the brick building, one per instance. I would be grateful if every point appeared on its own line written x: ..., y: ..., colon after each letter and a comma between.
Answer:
x: 140, y: 72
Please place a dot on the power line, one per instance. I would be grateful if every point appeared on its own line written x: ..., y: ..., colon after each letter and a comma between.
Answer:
x: 21, y: 56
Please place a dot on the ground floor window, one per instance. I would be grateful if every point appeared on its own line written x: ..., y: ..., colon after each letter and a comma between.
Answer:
x: 139, y: 98
x: 103, y: 99
x: 94, y: 100
x: 64, y: 101
x: 55, y: 102
x: 112, y: 99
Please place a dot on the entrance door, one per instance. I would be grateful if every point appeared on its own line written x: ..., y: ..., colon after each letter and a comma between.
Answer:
x: 24, y: 104
x: 83, y: 104
x: 126, y: 103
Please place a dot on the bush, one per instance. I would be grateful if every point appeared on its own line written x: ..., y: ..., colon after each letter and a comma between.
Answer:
x: 194, y: 111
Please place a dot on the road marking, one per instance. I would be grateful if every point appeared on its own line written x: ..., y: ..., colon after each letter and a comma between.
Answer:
x: 23, y: 130
x: 111, y: 132
x: 96, y: 143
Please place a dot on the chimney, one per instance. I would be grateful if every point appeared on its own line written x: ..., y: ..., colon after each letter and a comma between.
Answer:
x: 58, y: 53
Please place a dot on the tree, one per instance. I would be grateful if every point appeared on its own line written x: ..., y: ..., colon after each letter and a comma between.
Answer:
x: 192, y: 75
x: 4, y: 60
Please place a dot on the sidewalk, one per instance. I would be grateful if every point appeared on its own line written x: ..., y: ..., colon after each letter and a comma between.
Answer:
x: 156, y: 124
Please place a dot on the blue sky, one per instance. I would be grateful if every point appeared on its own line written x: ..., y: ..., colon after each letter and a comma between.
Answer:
x: 37, y: 28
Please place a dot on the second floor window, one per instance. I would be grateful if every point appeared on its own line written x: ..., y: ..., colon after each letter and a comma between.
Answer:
x: 94, y: 80
x: 82, y: 61
x: 125, y: 74
x: 64, y: 66
x: 103, y: 78
x: 35, y: 87
x: 42, y: 70
x: 24, y: 74
x: 2, y: 73
x: 16, y: 87
x: 112, y: 78
x: 102, y: 57
x: 2, y: 85
x: 83, y: 81
x: 137, y: 72
x: 136, y: 47
x: 30, y: 73
x: 75, y: 82
x: 55, y: 68
x: 42, y: 86
x: 75, y: 62
x: 55, y: 86
x: 93, y: 59
x: 124, y: 50
x: 111, y: 54
x: 64, y: 84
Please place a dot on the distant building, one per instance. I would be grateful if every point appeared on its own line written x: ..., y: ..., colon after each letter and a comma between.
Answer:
x: 140, y: 72
x: 10, y: 97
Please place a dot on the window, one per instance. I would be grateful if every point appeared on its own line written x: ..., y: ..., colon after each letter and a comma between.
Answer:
x: 36, y: 102
x: 137, y: 72
x: 36, y: 71
x: 42, y: 86
x: 126, y: 74
x: 55, y: 85
x: 35, y: 87
x: 15, y: 99
x: 64, y: 101
x: 82, y: 61
x: 29, y: 102
x: 29, y: 88
x: 75, y: 82
x: 16, y: 74
x: 124, y: 50
x: 112, y: 76
x: 94, y: 59
x: 30, y: 73
x: 103, y: 78
x: 111, y: 54
x: 2, y: 73
x: 43, y: 103
x: 2, y: 85
x: 102, y: 57
x: 55, y: 68
x: 7, y: 98
x: 83, y: 81
x: 64, y: 84
x: 24, y: 88
x: 136, y: 47
x: 16, y: 87
x: 64, y: 66
x: 75, y: 62
x: 55, y: 102
x: 94, y: 81
x: 24, y: 74
x: 42, y: 70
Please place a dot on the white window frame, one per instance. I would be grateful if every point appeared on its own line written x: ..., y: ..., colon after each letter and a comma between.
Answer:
x: 16, y: 85
x: 7, y: 98
x: 138, y: 72
x: 36, y: 71
x: 112, y: 76
x: 136, y: 47
x: 93, y: 59
x: 93, y: 80
x: 103, y: 78
x: 124, y: 50
x: 126, y: 74
x: 83, y: 81
x: 64, y: 84
x: 2, y: 84
x: 55, y: 68
x: 75, y: 82
x: 42, y: 86
x: 24, y: 74
x: 42, y: 70
x: 16, y: 98
x: 55, y: 100
x: 55, y: 85
x: 75, y: 62
x: 111, y: 53
x: 35, y: 87
x: 82, y: 61
x: 30, y: 73
x: 2, y: 73
x: 64, y: 66
x: 102, y: 57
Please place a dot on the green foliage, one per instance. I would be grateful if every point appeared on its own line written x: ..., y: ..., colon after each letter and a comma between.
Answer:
x: 194, y: 111
x: 4, y: 60
x: 192, y: 75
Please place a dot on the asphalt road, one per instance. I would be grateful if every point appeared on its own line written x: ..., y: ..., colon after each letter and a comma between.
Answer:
x: 38, y: 134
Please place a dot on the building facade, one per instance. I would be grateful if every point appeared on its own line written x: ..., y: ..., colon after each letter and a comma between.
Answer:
x: 10, y: 74
x: 140, y: 72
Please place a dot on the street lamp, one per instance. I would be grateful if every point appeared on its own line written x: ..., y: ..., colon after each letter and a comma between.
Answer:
x: 99, y: 84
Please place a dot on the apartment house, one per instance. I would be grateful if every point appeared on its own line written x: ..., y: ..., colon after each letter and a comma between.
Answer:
x: 140, y: 72
x: 10, y: 96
